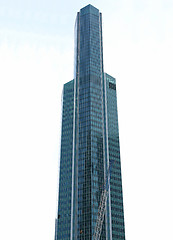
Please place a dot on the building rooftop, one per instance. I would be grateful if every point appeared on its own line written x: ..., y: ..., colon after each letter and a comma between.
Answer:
x: 89, y: 9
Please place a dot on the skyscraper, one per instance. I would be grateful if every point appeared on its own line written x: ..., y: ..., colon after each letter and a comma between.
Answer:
x: 90, y: 150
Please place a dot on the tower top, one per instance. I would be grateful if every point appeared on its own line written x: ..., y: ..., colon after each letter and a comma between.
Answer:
x: 89, y: 9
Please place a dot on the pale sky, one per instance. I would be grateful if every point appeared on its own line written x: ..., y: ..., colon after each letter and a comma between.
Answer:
x: 36, y: 59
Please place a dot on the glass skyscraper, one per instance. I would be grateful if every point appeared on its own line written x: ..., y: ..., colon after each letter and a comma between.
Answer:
x: 89, y: 141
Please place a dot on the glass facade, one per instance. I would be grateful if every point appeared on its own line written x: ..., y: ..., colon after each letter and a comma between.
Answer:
x: 89, y: 140
x: 63, y: 220
x: 116, y: 197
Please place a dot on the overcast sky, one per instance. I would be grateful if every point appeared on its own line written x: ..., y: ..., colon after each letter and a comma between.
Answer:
x: 36, y: 59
